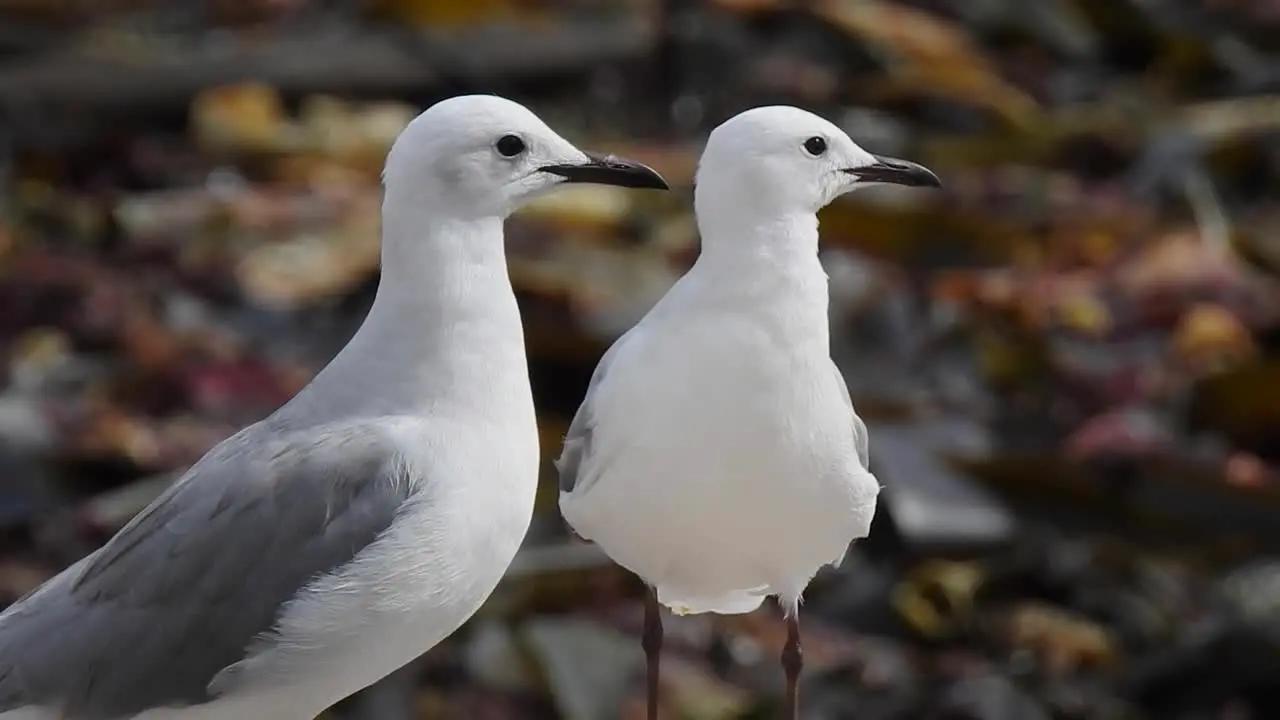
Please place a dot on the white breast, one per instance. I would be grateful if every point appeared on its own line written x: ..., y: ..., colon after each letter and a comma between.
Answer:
x: 726, y: 461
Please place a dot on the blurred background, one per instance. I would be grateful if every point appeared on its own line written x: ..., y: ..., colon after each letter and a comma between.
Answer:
x: 1067, y: 357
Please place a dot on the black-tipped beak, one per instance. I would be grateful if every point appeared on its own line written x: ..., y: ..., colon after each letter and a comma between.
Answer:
x: 896, y: 172
x: 610, y: 170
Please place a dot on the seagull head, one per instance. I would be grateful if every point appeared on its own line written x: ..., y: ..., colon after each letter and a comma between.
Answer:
x: 783, y: 160
x: 485, y: 156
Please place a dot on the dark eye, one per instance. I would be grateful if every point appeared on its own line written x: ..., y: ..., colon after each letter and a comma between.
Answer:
x: 815, y: 146
x: 510, y: 145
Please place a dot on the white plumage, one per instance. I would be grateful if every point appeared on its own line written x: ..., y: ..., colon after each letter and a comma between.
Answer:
x: 717, y: 454
x: 319, y: 550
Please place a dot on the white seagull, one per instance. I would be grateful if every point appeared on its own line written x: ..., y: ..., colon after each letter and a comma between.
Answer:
x: 315, y: 552
x: 717, y: 454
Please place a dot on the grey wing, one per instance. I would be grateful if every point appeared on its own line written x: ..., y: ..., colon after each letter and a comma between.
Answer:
x: 860, y: 439
x: 577, y: 439
x: 183, y: 589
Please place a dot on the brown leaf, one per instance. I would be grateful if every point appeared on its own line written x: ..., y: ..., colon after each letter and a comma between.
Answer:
x: 1066, y: 641
x: 1247, y: 470
x: 247, y: 116
x: 937, y: 597
x: 310, y: 267
x: 932, y: 57
x: 1178, y: 262
x: 1209, y: 339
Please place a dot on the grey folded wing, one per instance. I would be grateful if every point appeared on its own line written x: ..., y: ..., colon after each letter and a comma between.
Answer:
x: 577, y: 439
x: 182, y: 591
x: 861, y: 440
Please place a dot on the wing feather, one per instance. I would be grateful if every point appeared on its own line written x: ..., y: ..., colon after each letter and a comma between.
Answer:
x: 860, y: 437
x: 181, y: 592
x: 577, y: 439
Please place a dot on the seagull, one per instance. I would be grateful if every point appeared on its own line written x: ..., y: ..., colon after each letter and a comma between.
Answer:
x: 315, y: 552
x: 717, y: 454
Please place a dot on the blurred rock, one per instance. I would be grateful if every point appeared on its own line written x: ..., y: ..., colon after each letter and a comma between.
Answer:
x: 590, y: 668
x: 494, y: 657
x: 933, y: 507
x: 989, y: 697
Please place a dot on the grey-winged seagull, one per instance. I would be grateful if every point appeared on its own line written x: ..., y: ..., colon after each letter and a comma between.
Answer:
x: 717, y: 454
x: 315, y: 552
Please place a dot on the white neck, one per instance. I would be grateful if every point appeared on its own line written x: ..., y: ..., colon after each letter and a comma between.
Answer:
x: 444, y: 329
x: 779, y: 240
x: 769, y: 265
